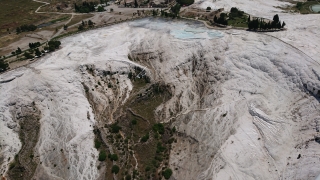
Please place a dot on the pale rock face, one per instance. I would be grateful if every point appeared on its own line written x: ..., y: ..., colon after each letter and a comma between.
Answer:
x: 244, y: 104
x: 245, y: 121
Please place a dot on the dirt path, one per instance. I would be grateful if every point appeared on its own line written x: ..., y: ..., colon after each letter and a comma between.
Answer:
x: 62, y: 29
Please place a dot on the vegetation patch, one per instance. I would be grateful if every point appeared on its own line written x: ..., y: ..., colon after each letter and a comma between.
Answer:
x: 21, y: 12
x: 167, y: 173
x: 135, y: 138
x: 115, y: 169
x: 185, y: 2
x: 102, y: 155
x: 25, y: 163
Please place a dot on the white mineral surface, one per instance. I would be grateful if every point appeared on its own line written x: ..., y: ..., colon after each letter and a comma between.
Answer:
x: 247, y: 104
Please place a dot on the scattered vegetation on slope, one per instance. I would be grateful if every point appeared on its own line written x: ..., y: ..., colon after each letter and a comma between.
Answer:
x: 135, y: 138
x: 20, y: 12
x: 238, y: 18
x: 25, y: 162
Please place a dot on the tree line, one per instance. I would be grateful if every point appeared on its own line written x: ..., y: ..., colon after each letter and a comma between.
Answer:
x: 185, y: 2
x: 34, y: 45
x: 174, y: 11
x: 257, y: 23
x: 26, y: 28
x: 51, y: 46
x: 85, y: 7
x: 221, y: 20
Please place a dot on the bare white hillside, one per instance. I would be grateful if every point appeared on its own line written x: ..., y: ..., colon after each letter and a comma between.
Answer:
x: 246, y: 105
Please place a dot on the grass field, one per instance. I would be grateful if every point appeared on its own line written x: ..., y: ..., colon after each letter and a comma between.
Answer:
x: 79, y: 18
x: 18, y: 12
x: 238, y: 22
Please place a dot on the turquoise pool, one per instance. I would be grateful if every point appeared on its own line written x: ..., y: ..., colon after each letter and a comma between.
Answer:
x: 316, y: 8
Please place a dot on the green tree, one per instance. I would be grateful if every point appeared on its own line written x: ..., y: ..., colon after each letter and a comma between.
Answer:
x: 113, y: 157
x: 81, y: 27
x: 18, y: 30
x: 115, y: 169
x: 100, y: 9
x: 145, y: 138
x: 102, y: 155
x: 176, y: 9
x: 283, y: 24
x: 135, y: 3
x: 276, y: 19
x: 133, y: 122
x: 154, y: 13
x: 97, y: 144
x: 185, y: 2
x: 215, y: 19
x: 18, y: 51
x: 53, y: 45
x: 28, y: 55
x: 167, y: 173
x: 299, y: 5
x: 147, y: 168
x: 37, y: 53
x: 3, y: 65
x: 90, y: 23
x: 114, y: 128
x: 158, y: 128
x: 128, y: 177
x: 173, y: 129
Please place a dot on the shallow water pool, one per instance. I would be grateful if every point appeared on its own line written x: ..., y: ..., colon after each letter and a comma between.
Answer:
x: 178, y: 29
x: 316, y: 8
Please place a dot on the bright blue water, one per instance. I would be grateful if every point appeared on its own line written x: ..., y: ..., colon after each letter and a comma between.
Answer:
x: 178, y: 29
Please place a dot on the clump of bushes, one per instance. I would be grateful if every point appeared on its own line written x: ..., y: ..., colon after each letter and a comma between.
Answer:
x: 145, y: 138
x: 85, y: 7
x: 222, y: 19
x: 114, y: 128
x: 97, y: 144
x: 115, y: 169
x: 3, y: 65
x: 113, y: 157
x: 102, y: 156
x: 53, y: 45
x: 167, y: 173
x: 134, y: 122
x: 26, y: 28
x: 160, y: 148
x: 158, y: 128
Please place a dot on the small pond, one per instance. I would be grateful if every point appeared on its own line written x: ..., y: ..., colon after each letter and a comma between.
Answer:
x: 181, y: 29
x: 316, y: 8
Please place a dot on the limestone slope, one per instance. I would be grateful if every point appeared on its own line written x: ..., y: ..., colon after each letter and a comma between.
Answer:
x: 244, y: 104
